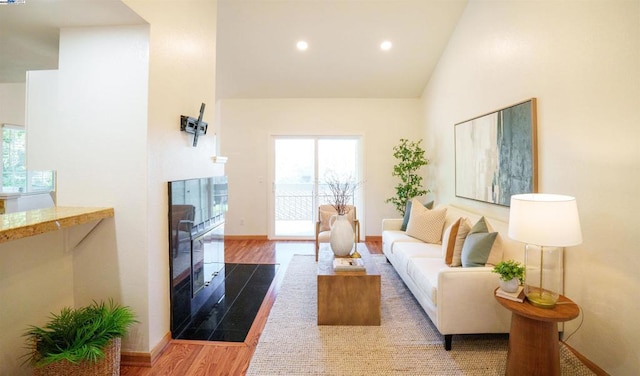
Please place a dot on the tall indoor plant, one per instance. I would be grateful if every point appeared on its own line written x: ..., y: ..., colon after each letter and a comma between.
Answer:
x: 410, y: 156
x: 81, y: 341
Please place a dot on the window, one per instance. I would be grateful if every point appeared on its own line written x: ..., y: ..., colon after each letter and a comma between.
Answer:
x: 13, y: 158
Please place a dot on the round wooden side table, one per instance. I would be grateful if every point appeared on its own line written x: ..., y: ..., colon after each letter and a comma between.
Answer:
x: 533, y: 337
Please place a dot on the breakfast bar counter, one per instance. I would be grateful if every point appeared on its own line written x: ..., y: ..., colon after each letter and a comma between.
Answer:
x: 20, y: 225
x: 51, y: 258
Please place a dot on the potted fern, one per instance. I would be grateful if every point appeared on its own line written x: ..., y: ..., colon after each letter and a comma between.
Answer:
x: 511, y: 274
x: 82, y: 341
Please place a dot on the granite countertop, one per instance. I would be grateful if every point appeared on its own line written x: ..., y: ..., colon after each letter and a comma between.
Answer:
x: 20, y: 225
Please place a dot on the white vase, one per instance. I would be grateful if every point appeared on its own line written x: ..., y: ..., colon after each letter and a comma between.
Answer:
x: 511, y: 285
x: 342, y: 235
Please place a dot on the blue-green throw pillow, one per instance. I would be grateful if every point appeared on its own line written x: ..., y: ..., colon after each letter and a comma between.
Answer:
x: 476, y: 249
x: 477, y: 245
x: 407, y: 212
x: 480, y: 226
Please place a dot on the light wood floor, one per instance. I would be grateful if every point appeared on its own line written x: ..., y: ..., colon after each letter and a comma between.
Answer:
x: 191, y: 358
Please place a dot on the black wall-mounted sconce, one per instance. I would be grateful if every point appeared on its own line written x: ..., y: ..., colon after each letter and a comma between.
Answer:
x: 195, y: 126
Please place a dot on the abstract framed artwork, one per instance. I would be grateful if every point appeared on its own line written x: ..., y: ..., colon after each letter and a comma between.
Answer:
x: 495, y: 154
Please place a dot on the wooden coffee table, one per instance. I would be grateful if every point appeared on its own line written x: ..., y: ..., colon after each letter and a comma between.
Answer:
x: 348, y: 298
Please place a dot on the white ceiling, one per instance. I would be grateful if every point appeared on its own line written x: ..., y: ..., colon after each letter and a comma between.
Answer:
x: 29, y: 32
x: 256, y: 55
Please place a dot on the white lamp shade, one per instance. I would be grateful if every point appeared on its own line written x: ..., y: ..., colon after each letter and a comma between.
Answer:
x: 545, y: 219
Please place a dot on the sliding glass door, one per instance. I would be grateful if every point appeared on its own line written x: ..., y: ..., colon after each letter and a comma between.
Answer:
x: 301, y: 165
x: 294, y: 187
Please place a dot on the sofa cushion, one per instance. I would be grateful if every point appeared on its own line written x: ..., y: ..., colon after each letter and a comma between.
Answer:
x: 425, y: 224
x: 419, y: 249
x: 405, y: 252
x: 424, y: 272
x: 453, y: 240
x: 390, y: 238
x: 407, y: 213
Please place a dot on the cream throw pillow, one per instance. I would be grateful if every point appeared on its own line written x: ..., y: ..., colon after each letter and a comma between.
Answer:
x: 425, y: 224
x: 453, y: 240
x: 325, y: 217
x: 495, y: 256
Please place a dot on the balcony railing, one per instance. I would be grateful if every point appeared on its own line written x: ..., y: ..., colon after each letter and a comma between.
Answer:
x: 294, y: 203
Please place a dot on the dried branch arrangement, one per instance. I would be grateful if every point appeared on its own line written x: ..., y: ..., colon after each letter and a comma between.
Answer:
x: 341, y: 192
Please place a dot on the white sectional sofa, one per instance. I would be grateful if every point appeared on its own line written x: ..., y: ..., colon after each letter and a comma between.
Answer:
x: 459, y: 300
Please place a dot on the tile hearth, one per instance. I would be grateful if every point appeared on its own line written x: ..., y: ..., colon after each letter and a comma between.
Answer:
x: 229, y: 314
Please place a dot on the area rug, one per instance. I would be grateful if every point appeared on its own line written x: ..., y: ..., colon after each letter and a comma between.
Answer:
x: 406, y: 343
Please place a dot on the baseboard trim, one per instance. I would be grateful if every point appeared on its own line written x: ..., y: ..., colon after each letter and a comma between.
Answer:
x: 246, y: 237
x: 591, y: 365
x: 145, y: 359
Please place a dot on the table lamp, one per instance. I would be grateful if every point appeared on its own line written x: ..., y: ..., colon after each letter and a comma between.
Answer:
x: 545, y: 223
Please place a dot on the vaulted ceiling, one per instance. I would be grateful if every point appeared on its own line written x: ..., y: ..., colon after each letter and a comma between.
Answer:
x: 256, y: 43
x: 257, y: 55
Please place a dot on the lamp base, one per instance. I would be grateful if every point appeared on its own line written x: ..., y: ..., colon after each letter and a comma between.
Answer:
x: 542, y: 299
x: 543, y: 275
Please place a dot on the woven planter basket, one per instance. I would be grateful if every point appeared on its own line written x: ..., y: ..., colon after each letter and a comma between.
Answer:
x: 107, y: 366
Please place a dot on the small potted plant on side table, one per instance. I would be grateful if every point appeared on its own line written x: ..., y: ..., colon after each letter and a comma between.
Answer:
x: 511, y: 274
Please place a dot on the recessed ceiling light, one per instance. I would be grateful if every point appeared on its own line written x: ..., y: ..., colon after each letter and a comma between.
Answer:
x: 302, y: 45
x: 386, y: 45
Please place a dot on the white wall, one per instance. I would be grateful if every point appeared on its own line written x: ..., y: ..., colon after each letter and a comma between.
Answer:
x: 247, y: 126
x: 181, y: 76
x: 12, y: 100
x: 38, y: 258
x: 88, y: 121
x: 109, y: 122
x: 582, y: 61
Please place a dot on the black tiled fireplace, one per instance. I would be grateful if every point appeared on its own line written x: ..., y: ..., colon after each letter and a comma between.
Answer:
x: 197, y: 210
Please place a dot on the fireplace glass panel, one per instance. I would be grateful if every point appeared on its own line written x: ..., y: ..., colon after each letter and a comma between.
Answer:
x: 197, y: 209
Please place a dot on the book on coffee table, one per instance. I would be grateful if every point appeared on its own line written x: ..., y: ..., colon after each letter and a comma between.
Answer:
x: 347, y: 264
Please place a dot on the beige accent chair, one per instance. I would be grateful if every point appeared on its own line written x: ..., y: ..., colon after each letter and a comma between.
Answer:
x: 323, y: 230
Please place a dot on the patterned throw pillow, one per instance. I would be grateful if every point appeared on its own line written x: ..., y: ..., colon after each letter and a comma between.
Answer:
x: 425, y: 224
x: 407, y: 213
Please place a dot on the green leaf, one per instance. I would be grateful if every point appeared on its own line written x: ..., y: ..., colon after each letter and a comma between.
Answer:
x: 78, y: 334
x: 411, y: 159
